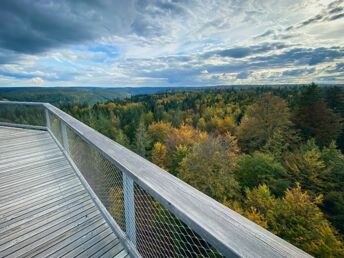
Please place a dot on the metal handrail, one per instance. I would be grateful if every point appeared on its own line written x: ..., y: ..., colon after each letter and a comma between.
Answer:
x: 230, y: 233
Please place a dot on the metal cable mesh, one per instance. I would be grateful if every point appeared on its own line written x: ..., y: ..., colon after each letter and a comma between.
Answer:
x: 154, y: 230
x: 55, y: 126
x: 159, y: 233
x: 104, y: 178
x: 22, y: 114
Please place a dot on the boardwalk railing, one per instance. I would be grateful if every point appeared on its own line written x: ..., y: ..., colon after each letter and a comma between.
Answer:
x: 153, y: 213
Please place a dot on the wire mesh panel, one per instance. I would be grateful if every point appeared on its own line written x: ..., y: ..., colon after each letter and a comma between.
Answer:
x: 159, y: 233
x: 55, y: 126
x: 22, y: 114
x: 154, y: 230
x: 103, y: 177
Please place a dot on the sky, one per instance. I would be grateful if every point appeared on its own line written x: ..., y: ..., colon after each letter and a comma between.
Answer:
x: 121, y: 43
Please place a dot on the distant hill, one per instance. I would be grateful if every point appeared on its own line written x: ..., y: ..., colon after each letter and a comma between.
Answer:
x: 73, y: 95
x: 92, y: 95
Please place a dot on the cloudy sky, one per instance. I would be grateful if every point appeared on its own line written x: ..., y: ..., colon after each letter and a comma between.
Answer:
x: 170, y: 42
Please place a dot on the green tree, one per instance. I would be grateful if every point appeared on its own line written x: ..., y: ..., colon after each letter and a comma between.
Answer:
x: 334, y: 194
x: 261, y: 168
x: 267, y: 115
x: 315, y: 119
x: 307, y: 167
x: 209, y: 168
x: 298, y: 219
x: 141, y: 139
x: 159, y: 131
x: 295, y: 217
x: 159, y: 155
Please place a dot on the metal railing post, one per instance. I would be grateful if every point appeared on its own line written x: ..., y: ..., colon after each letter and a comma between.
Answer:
x: 129, y: 207
x: 64, y: 136
x: 47, y: 118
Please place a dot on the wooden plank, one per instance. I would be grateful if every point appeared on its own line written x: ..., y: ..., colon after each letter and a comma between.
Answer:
x: 14, y: 195
x: 12, y: 175
x: 80, y: 199
x: 114, y: 251
x: 22, y: 136
x: 25, y: 145
x: 37, y: 184
x: 25, y: 242
x: 32, y: 165
x: 229, y: 232
x: 27, y: 152
x: 36, y: 178
x: 24, y: 216
x: 98, y: 248
x: 122, y: 254
x: 44, y: 208
x: 93, y: 245
x: 30, y: 161
x: 51, y: 243
x: 43, y: 201
x: 49, y: 234
x: 46, y: 220
x: 29, y: 157
x: 43, y: 138
x: 81, y: 250
x: 80, y: 237
x: 5, y: 203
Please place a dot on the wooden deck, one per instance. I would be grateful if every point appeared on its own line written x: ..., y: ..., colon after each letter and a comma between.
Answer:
x: 45, y: 211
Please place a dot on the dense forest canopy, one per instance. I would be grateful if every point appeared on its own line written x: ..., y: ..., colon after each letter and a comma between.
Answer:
x: 274, y: 155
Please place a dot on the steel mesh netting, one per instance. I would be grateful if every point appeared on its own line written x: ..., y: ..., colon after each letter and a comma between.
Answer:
x: 22, y: 114
x: 103, y: 177
x: 55, y: 127
x: 159, y: 233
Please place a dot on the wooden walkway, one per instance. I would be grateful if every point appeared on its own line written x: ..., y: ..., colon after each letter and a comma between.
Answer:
x: 44, y: 209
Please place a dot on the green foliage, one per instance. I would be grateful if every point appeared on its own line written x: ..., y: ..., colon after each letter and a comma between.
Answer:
x: 299, y: 220
x: 295, y: 217
x: 209, y: 167
x: 141, y: 139
x: 315, y: 119
x: 260, y: 168
x: 307, y: 167
x: 261, y: 120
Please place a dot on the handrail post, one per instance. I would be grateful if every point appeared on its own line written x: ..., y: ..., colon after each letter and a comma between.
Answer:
x: 64, y: 136
x: 47, y: 118
x: 129, y: 207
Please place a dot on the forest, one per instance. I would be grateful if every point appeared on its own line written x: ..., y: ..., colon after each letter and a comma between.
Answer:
x: 274, y: 155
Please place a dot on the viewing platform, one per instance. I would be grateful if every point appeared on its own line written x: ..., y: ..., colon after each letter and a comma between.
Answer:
x: 67, y: 191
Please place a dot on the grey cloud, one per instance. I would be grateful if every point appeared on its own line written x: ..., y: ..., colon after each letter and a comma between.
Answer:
x: 301, y: 56
x: 335, y: 4
x: 240, y: 52
x: 336, y: 10
x: 314, y: 19
x: 243, y: 75
x: 61, y: 76
x: 150, y: 14
x: 35, y: 26
x: 292, y: 57
x: 266, y: 33
x: 298, y: 72
x: 339, y: 68
x: 336, y: 17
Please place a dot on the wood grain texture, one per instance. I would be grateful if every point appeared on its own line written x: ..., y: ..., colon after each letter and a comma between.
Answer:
x: 44, y: 208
